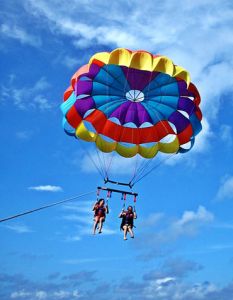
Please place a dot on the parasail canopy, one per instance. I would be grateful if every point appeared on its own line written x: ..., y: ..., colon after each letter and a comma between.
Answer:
x: 133, y: 102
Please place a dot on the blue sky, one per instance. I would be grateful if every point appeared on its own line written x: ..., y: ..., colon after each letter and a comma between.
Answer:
x: 183, y: 245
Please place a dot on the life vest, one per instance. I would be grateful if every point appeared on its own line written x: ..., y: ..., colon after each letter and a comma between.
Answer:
x: 127, y: 219
x: 100, y: 211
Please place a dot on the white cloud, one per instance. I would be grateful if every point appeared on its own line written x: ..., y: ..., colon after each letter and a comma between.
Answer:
x: 27, y: 97
x: 70, y: 62
x: 159, y: 287
x: 202, y: 144
x: 77, y: 218
x: 17, y: 33
x: 148, y: 287
x: 74, y: 238
x: 81, y: 215
x: 82, y: 43
x: 106, y: 230
x: 20, y: 294
x: 161, y: 281
x: 152, y: 220
x: 198, y: 291
x: 103, y: 24
x: 189, y: 223
x: 226, y: 134
x: 171, y: 288
x: 42, y: 294
x: 85, y: 229
x: 215, y: 86
x: 46, y: 188
x: 170, y: 230
x: 225, y: 191
x: 18, y: 228
x: 201, y: 216
x: 80, y: 207
x: 66, y: 294
x: 42, y: 103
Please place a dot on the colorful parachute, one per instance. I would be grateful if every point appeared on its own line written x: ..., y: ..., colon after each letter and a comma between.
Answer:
x: 133, y: 102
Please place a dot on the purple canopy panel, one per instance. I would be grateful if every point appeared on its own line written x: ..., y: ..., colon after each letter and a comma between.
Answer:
x: 143, y: 115
x: 138, y: 79
x: 183, y: 90
x: 121, y: 111
x: 94, y: 70
x: 131, y: 112
x: 186, y: 104
x: 83, y: 105
x: 179, y: 121
x: 83, y: 87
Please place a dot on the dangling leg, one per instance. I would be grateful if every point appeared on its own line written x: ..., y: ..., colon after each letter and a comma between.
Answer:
x: 96, y: 221
x: 101, y: 224
x: 131, y: 232
x: 125, y: 228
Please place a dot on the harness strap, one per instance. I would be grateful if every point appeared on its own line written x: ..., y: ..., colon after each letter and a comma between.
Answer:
x: 97, y: 194
x: 109, y: 194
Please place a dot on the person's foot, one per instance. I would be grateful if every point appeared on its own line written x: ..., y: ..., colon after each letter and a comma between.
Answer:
x: 125, y: 238
x: 100, y: 231
x: 132, y: 237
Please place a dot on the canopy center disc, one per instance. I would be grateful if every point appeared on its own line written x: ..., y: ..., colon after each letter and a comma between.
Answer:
x: 134, y: 96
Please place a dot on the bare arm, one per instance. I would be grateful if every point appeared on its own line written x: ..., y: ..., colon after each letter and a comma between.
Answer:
x: 121, y: 214
x: 135, y: 215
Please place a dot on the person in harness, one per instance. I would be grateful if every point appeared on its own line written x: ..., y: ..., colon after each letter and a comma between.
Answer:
x: 100, y: 211
x: 128, y: 217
